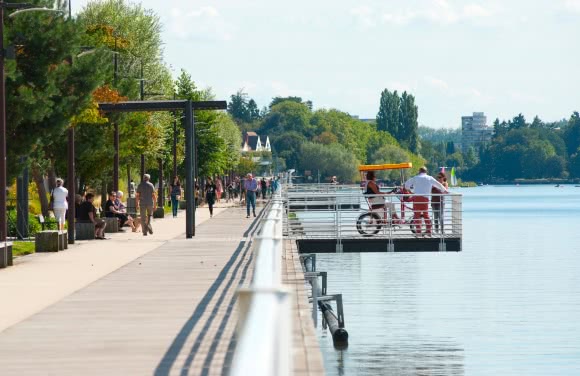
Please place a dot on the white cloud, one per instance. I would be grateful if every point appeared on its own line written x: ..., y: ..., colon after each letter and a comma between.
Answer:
x: 572, y: 5
x: 437, y: 83
x: 203, y: 23
x: 364, y: 15
x: 439, y: 12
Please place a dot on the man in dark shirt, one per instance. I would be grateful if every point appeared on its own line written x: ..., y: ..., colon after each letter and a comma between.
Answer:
x: 88, y: 214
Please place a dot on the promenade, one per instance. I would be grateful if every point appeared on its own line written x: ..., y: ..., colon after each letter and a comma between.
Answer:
x: 131, y: 305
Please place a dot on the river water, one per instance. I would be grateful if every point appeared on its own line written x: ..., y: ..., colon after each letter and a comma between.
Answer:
x: 508, y: 304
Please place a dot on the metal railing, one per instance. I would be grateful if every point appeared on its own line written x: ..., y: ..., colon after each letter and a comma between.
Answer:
x: 317, y: 213
x: 265, y: 328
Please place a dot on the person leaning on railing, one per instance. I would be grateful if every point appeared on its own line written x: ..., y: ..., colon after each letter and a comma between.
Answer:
x: 422, y: 185
x: 437, y: 203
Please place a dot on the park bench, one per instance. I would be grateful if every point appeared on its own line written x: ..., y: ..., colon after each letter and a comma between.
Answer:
x: 112, y: 224
x: 84, y: 231
x: 50, y: 241
x: 5, y: 254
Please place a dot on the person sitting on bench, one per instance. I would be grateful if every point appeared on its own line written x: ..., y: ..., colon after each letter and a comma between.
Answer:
x: 88, y: 214
x: 112, y: 210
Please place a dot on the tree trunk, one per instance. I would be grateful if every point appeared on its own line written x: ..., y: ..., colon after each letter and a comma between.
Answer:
x: 51, y: 176
x: 39, y: 181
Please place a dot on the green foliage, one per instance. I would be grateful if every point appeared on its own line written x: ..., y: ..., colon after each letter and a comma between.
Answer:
x: 242, y: 109
x: 394, y: 154
x: 329, y: 160
x: 33, y: 224
x: 287, y: 116
x: 23, y: 248
x: 398, y: 116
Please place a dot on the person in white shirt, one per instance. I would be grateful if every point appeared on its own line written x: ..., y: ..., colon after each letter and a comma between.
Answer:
x: 60, y: 203
x: 422, y: 185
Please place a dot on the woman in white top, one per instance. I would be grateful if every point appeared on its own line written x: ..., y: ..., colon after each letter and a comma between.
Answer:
x: 60, y: 203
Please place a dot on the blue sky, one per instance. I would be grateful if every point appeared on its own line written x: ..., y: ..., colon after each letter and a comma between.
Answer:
x: 456, y: 57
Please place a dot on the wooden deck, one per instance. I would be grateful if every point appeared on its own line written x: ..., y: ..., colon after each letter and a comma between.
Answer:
x: 170, y: 312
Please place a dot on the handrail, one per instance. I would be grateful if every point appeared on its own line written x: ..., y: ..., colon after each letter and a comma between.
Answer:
x: 265, y: 336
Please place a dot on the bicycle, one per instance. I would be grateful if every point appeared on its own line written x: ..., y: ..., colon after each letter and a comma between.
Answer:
x: 371, y: 222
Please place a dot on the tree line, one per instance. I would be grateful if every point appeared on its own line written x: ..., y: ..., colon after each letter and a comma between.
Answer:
x: 110, y: 52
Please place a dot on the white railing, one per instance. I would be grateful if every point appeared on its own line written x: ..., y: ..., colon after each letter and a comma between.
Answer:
x: 265, y: 329
x: 346, y: 214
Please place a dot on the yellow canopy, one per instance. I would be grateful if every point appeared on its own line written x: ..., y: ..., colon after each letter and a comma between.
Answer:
x: 388, y: 166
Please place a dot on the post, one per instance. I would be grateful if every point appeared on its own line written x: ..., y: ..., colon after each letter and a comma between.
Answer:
x: 142, y: 166
x: 116, y: 159
x: 72, y: 186
x: 160, y: 193
x: 22, y: 200
x: 174, y: 145
x: 3, y: 226
x: 189, y: 163
x: 128, y: 180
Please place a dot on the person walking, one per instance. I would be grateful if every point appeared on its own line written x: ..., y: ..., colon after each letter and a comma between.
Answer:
x: 175, y: 195
x: 219, y: 189
x: 264, y: 188
x: 146, y: 203
x: 210, y: 195
x: 422, y: 185
x: 251, y: 187
x: 60, y: 203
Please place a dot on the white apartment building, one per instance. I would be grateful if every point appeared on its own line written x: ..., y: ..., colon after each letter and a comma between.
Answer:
x: 474, y: 131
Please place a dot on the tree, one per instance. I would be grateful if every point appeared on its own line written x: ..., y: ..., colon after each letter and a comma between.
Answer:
x: 287, y: 116
x: 330, y: 160
x: 278, y: 100
x: 388, y: 117
x: 409, y: 130
x: 572, y: 133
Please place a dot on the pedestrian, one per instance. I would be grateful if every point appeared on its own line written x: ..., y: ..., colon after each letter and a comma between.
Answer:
x: 251, y: 187
x: 175, y: 195
x: 146, y: 203
x: 88, y: 214
x: 219, y: 189
x: 422, y: 185
x: 132, y: 189
x: 210, y: 195
x: 264, y: 188
x: 60, y: 203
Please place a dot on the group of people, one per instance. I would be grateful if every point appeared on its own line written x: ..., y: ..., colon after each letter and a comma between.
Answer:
x: 86, y: 212
x: 423, y: 186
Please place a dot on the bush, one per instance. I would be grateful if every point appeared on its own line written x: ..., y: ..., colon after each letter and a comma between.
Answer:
x: 33, y: 224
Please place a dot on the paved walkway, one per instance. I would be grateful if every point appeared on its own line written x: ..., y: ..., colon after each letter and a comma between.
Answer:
x: 166, y: 312
x: 160, y: 305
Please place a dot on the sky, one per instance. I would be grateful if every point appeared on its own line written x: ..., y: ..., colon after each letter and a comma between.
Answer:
x: 456, y: 57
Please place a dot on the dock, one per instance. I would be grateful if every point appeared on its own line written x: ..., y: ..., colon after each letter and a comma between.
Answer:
x: 169, y: 311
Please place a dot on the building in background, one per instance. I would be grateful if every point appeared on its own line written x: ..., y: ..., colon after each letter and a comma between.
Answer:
x: 475, y: 131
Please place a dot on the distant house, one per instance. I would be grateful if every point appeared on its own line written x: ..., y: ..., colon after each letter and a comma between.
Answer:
x: 251, y: 141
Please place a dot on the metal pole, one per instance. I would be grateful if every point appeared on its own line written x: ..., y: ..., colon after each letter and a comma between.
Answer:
x: 72, y: 186
x: 116, y: 158
x: 189, y: 163
x: 142, y: 166
x: 69, y: 10
x: 160, y: 195
x: 3, y: 226
x: 22, y: 199
x: 175, y: 146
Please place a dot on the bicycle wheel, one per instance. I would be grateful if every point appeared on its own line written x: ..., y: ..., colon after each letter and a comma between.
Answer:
x: 368, y: 224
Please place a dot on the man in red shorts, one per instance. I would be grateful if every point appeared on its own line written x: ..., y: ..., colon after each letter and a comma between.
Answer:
x: 422, y: 184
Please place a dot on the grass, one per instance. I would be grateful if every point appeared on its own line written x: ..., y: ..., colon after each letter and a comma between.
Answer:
x: 22, y: 248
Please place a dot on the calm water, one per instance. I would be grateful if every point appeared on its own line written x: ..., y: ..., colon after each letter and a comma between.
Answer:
x: 509, y: 304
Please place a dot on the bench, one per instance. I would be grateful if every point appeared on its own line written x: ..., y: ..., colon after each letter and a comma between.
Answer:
x: 48, y: 241
x: 47, y: 224
x: 5, y: 255
x: 84, y: 231
x: 112, y: 224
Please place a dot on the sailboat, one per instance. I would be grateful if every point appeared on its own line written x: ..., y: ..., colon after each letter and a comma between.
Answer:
x: 453, y: 178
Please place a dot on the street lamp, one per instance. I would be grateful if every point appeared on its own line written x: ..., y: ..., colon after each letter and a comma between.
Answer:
x: 3, y: 181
